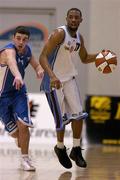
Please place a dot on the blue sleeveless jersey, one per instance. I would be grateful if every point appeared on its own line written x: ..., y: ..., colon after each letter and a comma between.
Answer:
x: 6, y: 77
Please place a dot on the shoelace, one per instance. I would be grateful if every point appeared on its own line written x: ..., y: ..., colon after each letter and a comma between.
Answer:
x: 28, y: 160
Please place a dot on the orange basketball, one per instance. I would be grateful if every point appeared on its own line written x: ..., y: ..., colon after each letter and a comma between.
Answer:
x: 106, y: 63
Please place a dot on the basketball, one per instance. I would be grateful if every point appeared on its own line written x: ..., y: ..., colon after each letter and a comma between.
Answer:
x: 106, y: 62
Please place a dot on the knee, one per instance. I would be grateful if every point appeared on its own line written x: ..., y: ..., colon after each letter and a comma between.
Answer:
x: 22, y: 127
x: 15, y: 134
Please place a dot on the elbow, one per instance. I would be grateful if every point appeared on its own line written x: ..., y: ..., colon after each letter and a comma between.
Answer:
x: 41, y: 59
x: 41, y: 62
x: 84, y: 61
x: 84, y: 58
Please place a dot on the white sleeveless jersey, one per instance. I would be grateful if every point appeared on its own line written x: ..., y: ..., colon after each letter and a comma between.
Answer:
x: 62, y: 60
x: 64, y: 66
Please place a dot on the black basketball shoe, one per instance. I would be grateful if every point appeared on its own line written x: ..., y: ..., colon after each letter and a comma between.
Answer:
x: 63, y: 157
x: 76, y: 155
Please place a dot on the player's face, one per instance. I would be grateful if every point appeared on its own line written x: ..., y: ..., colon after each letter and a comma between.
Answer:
x: 73, y: 20
x: 20, y: 41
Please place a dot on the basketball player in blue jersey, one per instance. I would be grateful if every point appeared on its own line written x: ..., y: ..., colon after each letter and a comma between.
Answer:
x: 14, y: 105
x: 59, y: 84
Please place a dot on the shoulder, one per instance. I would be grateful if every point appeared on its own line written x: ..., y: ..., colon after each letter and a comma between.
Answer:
x: 57, y: 32
x: 7, y: 46
x: 57, y: 35
x: 8, y: 53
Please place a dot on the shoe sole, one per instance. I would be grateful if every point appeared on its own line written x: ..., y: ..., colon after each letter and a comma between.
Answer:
x: 24, y: 169
x: 76, y: 163
x: 33, y: 170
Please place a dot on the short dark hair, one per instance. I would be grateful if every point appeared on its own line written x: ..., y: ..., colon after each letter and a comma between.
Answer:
x: 22, y: 30
x: 74, y: 9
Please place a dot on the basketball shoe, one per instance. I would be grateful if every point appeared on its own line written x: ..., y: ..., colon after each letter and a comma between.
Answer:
x: 26, y: 164
x: 63, y: 157
x: 76, y: 155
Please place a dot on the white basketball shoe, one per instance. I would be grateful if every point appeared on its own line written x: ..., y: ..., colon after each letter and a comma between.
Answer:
x: 26, y: 164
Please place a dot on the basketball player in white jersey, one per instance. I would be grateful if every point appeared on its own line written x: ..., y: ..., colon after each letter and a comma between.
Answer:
x: 59, y: 84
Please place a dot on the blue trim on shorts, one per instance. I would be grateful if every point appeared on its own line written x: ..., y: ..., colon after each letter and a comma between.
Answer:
x: 55, y: 108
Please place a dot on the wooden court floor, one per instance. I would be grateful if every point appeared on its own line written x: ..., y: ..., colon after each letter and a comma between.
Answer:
x: 103, y: 164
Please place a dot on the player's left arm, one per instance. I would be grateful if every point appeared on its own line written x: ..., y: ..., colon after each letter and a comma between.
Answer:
x: 84, y: 56
x: 37, y: 67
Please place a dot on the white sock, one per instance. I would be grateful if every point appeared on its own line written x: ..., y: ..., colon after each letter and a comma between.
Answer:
x: 25, y: 156
x: 76, y: 142
x: 60, y: 145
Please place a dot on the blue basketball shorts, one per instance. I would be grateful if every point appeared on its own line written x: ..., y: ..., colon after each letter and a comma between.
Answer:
x: 14, y: 108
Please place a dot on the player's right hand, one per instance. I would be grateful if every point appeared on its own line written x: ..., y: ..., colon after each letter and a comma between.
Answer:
x: 18, y: 82
x: 55, y: 83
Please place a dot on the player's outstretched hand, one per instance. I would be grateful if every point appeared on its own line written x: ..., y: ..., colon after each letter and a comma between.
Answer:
x: 40, y: 74
x: 18, y: 82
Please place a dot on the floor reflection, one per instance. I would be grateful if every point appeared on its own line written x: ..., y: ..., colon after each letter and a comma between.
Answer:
x: 103, y: 164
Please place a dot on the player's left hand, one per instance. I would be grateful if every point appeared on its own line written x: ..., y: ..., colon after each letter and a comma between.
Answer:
x: 18, y: 82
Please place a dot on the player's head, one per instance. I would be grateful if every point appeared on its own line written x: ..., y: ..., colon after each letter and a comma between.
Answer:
x: 21, y: 37
x: 74, y: 18
x: 22, y: 30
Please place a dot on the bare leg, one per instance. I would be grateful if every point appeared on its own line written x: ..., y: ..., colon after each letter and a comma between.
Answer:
x: 60, y: 136
x: 24, y: 137
x: 77, y: 128
x: 16, y: 136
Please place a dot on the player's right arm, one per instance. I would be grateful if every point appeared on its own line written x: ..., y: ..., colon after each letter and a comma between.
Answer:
x: 54, y: 40
x: 10, y: 60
